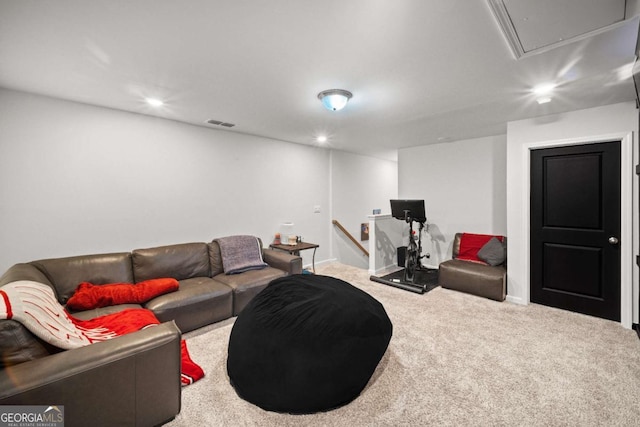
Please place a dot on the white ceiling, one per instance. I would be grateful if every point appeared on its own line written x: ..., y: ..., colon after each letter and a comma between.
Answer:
x: 421, y: 71
x: 541, y: 23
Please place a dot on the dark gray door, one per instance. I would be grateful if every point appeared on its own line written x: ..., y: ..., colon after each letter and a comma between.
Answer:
x: 575, y: 228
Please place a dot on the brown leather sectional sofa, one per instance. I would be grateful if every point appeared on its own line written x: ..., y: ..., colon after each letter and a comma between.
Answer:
x: 133, y: 379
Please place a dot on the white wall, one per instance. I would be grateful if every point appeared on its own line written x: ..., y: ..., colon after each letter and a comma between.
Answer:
x: 77, y: 179
x: 359, y: 184
x: 463, y: 185
x: 590, y: 125
x: 387, y: 234
x: 632, y: 8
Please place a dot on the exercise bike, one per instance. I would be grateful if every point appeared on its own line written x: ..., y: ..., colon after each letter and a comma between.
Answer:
x: 413, y: 257
x: 410, y: 211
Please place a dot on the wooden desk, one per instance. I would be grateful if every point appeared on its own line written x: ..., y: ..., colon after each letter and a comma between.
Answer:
x: 295, y: 250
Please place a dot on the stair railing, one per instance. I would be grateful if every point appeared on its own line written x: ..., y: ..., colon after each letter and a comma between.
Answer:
x: 353, y: 239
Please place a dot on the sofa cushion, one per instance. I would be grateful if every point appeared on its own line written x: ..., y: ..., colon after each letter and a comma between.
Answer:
x: 103, y: 311
x: 67, y: 273
x: 248, y: 284
x: 470, y: 244
x: 492, y: 252
x: 473, y: 278
x: 215, y: 259
x: 181, y: 261
x: 198, y: 302
x: 89, y: 296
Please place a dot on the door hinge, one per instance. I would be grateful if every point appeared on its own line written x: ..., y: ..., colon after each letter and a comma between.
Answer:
x: 638, y: 260
x: 637, y: 169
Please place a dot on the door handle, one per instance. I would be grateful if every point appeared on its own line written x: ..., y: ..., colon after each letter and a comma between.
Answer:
x: 613, y: 240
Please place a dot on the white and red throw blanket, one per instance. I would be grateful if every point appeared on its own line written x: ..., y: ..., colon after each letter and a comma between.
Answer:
x: 36, y: 307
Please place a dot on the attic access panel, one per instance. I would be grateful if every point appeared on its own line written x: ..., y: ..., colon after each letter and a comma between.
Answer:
x: 531, y: 26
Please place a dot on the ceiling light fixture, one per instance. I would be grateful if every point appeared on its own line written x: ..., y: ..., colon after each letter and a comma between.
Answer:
x: 321, y: 139
x: 335, y: 99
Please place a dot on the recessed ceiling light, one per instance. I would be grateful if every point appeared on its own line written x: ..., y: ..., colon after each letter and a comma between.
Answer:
x: 321, y: 139
x: 154, y: 102
x: 543, y: 92
x: 544, y: 88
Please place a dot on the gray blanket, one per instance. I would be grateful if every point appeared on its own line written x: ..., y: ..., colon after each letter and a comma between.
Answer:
x: 240, y: 253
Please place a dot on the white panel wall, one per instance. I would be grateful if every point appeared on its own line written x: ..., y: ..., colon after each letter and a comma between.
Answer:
x: 77, y: 179
x: 359, y: 185
x: 588, y: 125
x: 387, y: 234
x: 463, y: 184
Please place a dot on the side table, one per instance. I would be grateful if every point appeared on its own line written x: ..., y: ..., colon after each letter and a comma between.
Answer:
x: 295, y: 250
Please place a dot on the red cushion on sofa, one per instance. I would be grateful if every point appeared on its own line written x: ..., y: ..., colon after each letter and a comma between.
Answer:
x: 88, y: 296
x: 471, y: 243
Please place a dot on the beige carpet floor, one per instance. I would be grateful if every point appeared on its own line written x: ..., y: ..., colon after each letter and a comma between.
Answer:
x: 454, y: 360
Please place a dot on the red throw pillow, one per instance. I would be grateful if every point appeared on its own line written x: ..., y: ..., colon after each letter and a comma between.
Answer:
x: 470, y: 244
x: 88, y: 296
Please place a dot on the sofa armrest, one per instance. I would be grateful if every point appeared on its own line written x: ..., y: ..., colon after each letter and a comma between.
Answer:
x: 291, y: 264
x: 129, y: 380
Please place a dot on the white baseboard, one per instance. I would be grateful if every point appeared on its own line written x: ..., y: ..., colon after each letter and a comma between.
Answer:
x: 319, y: 263
x: 385, y: 269
x: 515, y: 300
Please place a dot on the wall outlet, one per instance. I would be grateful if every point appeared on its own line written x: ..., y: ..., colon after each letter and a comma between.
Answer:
x: 316, y: 209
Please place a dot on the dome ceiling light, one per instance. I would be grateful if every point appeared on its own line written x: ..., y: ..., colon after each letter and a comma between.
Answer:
x: 334, y: 99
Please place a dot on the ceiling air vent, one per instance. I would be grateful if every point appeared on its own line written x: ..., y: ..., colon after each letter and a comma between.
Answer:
x: 220, y: 123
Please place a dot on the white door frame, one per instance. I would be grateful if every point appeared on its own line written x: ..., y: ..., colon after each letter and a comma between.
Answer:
x: 626, y: 213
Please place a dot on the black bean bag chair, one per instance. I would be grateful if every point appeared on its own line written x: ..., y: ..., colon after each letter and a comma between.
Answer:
x: 306, y: 343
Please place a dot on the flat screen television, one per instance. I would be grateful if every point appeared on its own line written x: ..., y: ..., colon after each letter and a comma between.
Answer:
x: 414, y: 208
